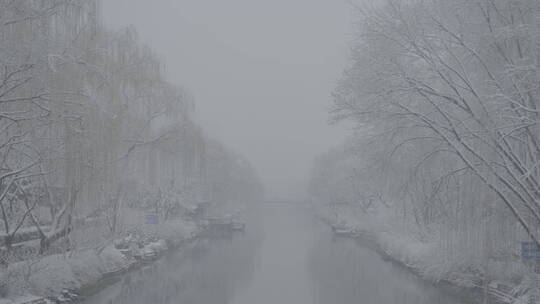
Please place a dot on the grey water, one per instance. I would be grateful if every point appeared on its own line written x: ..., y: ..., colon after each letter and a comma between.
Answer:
x: 285, y: 256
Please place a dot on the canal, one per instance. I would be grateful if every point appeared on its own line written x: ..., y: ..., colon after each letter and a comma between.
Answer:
x: 285, y: 256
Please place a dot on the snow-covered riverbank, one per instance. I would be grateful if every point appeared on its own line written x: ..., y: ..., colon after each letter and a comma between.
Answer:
x: 394, y: 240
x: 50, y: 276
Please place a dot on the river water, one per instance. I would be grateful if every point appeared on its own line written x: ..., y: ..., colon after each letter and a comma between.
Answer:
x: 285, y: 257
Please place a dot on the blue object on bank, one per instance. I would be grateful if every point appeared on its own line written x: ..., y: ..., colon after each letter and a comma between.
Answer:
x: 530, y: 251
x: 152, y: 219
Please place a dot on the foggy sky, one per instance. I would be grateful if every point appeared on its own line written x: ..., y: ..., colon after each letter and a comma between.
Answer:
x: 261, y: 72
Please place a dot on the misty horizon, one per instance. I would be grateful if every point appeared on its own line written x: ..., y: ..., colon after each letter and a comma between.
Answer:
x: 270, y: 151
x: 261, y: 87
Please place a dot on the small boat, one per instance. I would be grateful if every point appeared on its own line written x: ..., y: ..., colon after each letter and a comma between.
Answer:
x: 217, y: 227
x: 238, y: 226
x: 345, y: 231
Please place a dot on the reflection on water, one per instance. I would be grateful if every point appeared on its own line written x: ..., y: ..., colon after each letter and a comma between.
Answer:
x: 282, y: 275
x: 209, y: 271
x: 352, y: 273
x: 285, y: 257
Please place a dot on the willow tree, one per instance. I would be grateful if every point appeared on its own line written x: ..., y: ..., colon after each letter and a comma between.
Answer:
x: 33, y: 35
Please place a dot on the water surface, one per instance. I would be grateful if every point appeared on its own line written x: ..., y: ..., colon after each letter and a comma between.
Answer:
x: 285, y: 256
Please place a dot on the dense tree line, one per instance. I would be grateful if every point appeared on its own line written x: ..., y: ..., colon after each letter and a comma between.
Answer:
x: 89, y: 125
x: 446, y: 99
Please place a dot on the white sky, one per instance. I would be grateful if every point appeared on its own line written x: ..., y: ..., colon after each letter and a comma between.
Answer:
x: 261, y: 72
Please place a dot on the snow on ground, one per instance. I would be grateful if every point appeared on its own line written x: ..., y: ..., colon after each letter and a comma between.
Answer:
x: 48, y: 276
x: 425, y: 257
x: 19, y: 300
x: 52, y: 274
